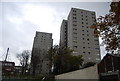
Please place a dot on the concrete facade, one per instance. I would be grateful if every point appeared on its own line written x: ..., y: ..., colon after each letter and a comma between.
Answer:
x: 63, y: 33
x: 80, y: 37
x: 87, y: 73
x: 42, y: 43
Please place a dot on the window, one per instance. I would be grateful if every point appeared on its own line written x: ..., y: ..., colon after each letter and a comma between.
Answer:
x: 10, y: 64
x: 86, y: 20
x: 74, y: 25
x: 65, y: 28
x: 84, y: 52
x: 74, y: 33
x: 98, y: 54
x: 74, y: 10
x: 96, y: 44
x: 75, y: 46
x: 86, y: 23
x: 75, y: 41
x: 88, y: 39
x: 74, y: 14
x: 83, y: 47
x: 93, y: 14
x: 83, y: 38
x: 89, y: 58
x: 97, y: 48
x: 96, y: 39
x: 74, y: 17
x: 94, y: 20
x: 74, y: 29
x: 81, y: 15
x: 82, y: 18
x: 82, y: 30
x: 74, y: 21
x: 82, y: 23
x: 87, y: 34
x: 97, y: 59
x: 75, y: 38
x: 83, y: 34
x: 75, y: 52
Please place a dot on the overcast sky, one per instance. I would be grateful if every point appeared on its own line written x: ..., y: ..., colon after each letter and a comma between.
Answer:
x: 20, y: 21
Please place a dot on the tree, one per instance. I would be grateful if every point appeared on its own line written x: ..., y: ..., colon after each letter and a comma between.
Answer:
x: 108, y: 28
x: 71, y: 62
x: 24, y: 60
x: 52, y: 52
x: 63, y: 60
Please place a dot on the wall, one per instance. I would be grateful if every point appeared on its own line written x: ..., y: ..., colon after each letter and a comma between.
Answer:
x: 20, y: 80
x: 87, y: 73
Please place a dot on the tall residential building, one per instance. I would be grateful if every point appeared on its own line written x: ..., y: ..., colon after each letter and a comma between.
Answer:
x: 79, y: 35
x: 39, y: 60
x: 63, y: 33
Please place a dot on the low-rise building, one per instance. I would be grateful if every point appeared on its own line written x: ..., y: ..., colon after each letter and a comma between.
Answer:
x: 7, y: 68
x: 109, y: 67
x: 17, y: 70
